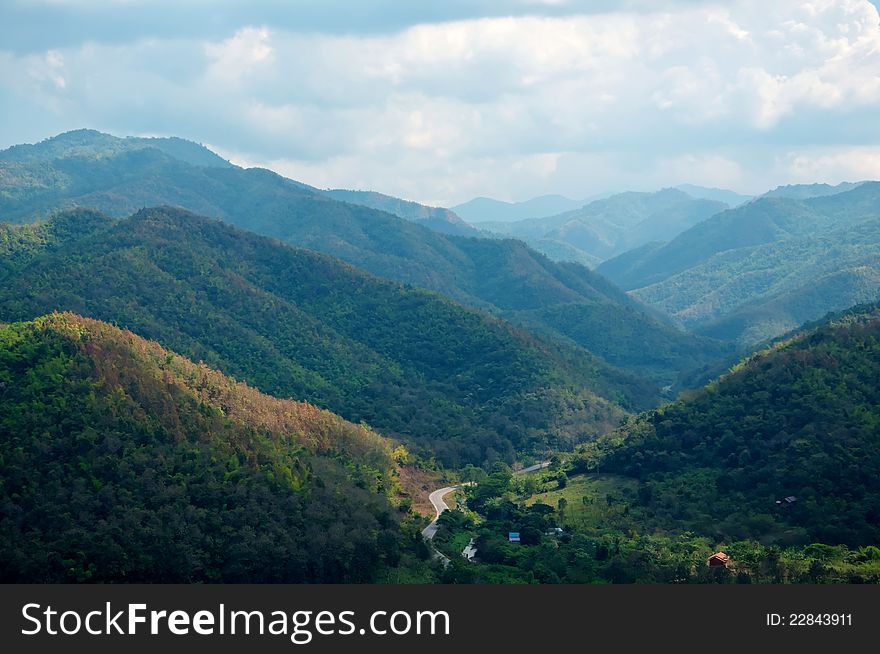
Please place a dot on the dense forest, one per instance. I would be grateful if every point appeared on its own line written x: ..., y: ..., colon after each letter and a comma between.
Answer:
x: 455, y: 383
x: 118, y: 177
x: 800, y: 420
x: 576, y: 527
x: 121, y: 461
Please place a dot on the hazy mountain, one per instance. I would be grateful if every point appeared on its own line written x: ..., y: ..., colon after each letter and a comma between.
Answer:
x: 758, y: 271
x: 124, y: 462
x: 730, y: 198
x: 754, y: 293
x: 481, y: 210
x: 762, y: 221
x: 806, y: 191
x: 799, y: 420
x: 605, y: 228
x: 438, y: 219
x: 501, y: 276
x: 453, y: 382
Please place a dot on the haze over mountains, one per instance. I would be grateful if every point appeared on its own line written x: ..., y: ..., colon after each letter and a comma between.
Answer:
x: 761, y: 269
x: 604, y: 228
x: 480, y: 210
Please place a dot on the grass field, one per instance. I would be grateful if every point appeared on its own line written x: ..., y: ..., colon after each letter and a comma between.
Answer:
x: 594, y: 501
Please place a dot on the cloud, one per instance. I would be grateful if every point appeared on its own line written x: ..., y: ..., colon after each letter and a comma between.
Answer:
x: 635, y: 95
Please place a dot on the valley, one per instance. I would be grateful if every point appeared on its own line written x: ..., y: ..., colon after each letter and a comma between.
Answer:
x: 211, y: 373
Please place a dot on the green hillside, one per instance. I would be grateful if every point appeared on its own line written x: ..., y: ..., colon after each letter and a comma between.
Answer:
x: 122, y: 461
x: 756, y: 272
x: 799, y: 420
x: 121, y: 183
x: 751, y: 294
x: 294, y: 323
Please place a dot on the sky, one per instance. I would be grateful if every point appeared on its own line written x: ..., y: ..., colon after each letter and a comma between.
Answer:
x: 440, y: 102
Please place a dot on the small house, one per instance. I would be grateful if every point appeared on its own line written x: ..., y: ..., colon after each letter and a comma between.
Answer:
x: 791, y: 499
x: 718, y: 560
x: 513, y: 536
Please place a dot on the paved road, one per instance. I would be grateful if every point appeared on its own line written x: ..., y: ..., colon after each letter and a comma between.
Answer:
x: 436, y: 498
x: 439, y: 505
x: 537, y: 466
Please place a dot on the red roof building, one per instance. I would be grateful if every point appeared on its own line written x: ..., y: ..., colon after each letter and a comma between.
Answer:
x: 719, y: 559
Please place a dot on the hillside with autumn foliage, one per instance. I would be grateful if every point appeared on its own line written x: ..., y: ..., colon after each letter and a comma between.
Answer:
x: 122, y: 461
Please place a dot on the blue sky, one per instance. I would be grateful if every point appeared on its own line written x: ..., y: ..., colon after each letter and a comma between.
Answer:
x: 443, y: 101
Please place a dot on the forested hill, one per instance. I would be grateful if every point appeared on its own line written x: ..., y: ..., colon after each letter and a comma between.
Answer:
x: 760, y: 270
x: 436, y: 218
x: 800, y: 420
x: 454, y: 382
x: 122, y: 461
x: 504, y: 277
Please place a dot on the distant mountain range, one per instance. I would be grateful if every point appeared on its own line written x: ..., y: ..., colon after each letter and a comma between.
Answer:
x: 730, y: 198
x: 480, y: 210
x: 504, y: 277
x: 761, y: 269
x: 436, y: 218
x: 605, y: 228
x: 806, y: 191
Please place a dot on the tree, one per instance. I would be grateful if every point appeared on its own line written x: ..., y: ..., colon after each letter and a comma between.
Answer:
x: 561, y: 504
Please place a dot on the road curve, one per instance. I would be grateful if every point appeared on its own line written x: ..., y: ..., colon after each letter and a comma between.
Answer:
x: 436, y: 499
x: 534, y: 468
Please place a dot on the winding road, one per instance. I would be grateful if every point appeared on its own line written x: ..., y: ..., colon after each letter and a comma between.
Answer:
x: 436, y: 498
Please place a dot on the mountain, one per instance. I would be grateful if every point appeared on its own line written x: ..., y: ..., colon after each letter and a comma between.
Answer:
x: 124, y: 462
x: 605, y: 228
x: 502, y: 276
x: 806, y: 191
x: 452, y: 382
x: 754, y: 272
x: 438, y: 219
x: 730, y: 198
x: 800, y: 420
x: 751, y: 294
x: 481, y: 210
x: 91, y: 144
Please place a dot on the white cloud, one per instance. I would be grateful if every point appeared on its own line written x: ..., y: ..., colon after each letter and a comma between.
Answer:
x: 833, y: 165
x: 718, y: 93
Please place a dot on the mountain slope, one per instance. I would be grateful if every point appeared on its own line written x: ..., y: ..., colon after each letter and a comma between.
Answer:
x: 454, y: 382
x: 751, y: 294
x: 730, y: 198
x: 381, y: 243
x: 607, y: 227
x: 766, y: 220
x: 487, y: 209
x: 758, y: 271
x: 801, y: 419
x: 438, y: 219
x: 125, y: 462
x: 806, y: 191
x: 91, y: 144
